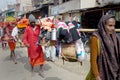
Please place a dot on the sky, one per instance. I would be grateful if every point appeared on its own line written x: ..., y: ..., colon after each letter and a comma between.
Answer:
x: 3, y: 3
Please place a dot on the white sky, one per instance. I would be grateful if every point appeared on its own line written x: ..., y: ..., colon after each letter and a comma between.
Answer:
x: 3, y: 3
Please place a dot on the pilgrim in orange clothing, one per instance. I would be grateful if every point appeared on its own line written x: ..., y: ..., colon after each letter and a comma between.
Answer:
x: 30, y: 39
x: 12, y: 46
x: 11, y: 43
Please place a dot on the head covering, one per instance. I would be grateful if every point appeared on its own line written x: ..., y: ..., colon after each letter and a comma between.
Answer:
x: 102, y: 22
x: 109, y: 59
x: 32, y: 18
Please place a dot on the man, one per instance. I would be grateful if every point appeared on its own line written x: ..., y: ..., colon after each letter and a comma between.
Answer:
x: 15, y: 33
x: 30, y: 39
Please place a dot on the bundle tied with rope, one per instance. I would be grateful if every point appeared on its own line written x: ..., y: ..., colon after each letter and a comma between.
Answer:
x: 69, y: 52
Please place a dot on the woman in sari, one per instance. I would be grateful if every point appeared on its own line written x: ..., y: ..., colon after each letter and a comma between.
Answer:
x: 105, y: 50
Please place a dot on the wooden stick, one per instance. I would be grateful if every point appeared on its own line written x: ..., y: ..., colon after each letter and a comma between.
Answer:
x: 92, y: 30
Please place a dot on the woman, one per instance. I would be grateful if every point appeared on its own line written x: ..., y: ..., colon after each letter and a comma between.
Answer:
x: 105, y: 50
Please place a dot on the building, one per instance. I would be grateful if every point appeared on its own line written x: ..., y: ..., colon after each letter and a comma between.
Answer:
x: 86, y: 11
x: 72, y: 8
x: 41, y: 8
x: 24, y: 6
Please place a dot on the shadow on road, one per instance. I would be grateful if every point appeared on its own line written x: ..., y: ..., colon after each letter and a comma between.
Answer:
x: 19, y: 53
x: 23, y: 60
x: 52, y: 78
x: 27, y: 66
x: 7, y: 58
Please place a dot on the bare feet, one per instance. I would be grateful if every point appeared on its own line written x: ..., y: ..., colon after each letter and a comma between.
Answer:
x: 15, y: 62
x: 41, y: 73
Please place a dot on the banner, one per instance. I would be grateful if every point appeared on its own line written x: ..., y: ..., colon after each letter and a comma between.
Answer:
x: 10, y: 18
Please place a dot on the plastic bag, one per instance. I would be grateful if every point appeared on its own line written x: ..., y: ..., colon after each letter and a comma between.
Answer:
x: 81, y: 54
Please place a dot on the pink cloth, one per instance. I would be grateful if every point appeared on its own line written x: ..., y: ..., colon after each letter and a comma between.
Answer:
x: 31, y: 37
x: 62, y: 24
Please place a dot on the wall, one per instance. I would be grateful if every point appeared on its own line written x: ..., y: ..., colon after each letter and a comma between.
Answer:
x: 87, y: 4
x: 25, y: 5
x: 73, y: 5
x: 65, y: 7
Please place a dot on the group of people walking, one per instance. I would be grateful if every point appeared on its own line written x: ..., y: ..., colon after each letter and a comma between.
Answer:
x: 7, y: 38
x: 104, y: 49
x: 30, y: 38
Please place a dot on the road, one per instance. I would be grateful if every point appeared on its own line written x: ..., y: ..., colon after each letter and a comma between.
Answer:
x: 21, y: 71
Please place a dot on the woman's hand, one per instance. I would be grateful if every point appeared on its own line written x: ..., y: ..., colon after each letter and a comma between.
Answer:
x: 98, y: 78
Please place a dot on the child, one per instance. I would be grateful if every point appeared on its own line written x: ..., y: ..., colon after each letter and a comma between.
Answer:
x: 12, y: 46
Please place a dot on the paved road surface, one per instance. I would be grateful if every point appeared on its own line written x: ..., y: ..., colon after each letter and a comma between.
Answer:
x: 21, y: 71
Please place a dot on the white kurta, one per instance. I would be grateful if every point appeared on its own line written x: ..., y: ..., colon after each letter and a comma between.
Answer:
x: 15, y: 33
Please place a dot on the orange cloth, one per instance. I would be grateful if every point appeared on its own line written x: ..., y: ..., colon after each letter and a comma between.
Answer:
x: 38, y: 61
x: 94, y: 54
x: 12, y: 45
x: 23, y: 23
x: 35, y: 52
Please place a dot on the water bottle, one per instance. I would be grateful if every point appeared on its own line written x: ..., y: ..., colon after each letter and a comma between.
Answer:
x: 53, y: 34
